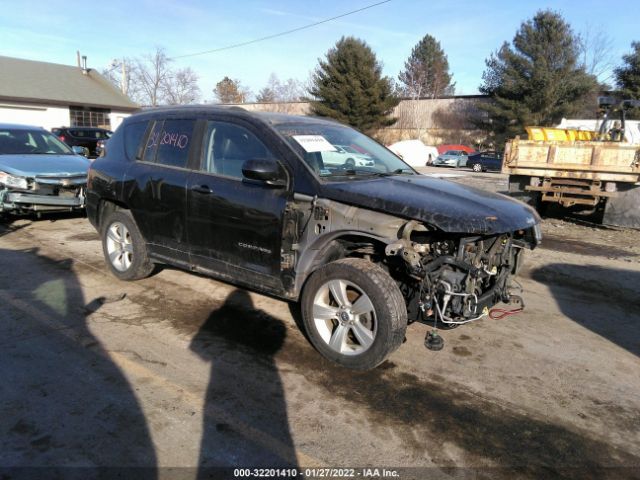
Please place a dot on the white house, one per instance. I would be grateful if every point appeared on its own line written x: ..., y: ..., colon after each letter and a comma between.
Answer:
x: 50, y: 95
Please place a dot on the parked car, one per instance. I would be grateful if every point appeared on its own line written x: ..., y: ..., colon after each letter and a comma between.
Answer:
x: 83, y: 137
x: 347, y: 156
x: 414, y: 152
x: 38, y: 172
x: 483, y: 161
x: 245, y: 197
x: 445, y: 147
x: 451, y: 158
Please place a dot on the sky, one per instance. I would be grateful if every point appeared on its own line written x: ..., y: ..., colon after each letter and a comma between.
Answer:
x: 469, y: 31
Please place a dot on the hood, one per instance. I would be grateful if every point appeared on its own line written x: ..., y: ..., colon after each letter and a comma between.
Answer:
x: 446, y: 205
x: 50, y: 165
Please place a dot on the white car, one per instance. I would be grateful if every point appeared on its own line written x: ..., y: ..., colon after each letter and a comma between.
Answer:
x: 347, y: 156
x: 414, y: 152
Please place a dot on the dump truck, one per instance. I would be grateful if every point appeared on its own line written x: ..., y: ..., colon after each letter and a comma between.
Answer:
x: 581, y: 170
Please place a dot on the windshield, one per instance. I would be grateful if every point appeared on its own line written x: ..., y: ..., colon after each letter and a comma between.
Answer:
x: 30, y: 142
x: 339, y: 152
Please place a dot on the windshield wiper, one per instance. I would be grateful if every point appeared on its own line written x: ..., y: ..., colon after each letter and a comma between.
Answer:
x: 397, y: 171
x: 350, y: 172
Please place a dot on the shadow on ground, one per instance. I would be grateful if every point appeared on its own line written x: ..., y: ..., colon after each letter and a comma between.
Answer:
x: 66, y: 410
x: 603, y: 300
x: 430, y: 414
x: 249, y: 391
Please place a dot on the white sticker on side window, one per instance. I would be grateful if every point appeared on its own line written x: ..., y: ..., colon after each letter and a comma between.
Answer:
x: 314, y: 143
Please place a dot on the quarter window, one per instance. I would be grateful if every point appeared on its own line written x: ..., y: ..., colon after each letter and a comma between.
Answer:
x: 133, y: 134
x: 227, y: 146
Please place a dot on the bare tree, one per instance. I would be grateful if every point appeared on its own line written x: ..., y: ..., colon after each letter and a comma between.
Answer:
x: 291, y: 90
x: 121, y: 73
x: 151, y: 74
x: 181, y: 87
x: 282, y: 94
x: 597, y: 52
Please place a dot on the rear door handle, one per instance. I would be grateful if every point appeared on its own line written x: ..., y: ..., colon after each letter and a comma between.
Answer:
x: 204, y: 189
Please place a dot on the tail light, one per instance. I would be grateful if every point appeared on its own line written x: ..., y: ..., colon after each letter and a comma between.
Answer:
x: 63, y: 138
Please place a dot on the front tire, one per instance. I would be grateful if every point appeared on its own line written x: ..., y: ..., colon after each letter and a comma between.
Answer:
x: 353, y: 313
x: 125, y: 251
x: 476, y: 167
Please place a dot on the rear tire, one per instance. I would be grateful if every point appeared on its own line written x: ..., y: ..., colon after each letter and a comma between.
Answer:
x: 622, y: 210
x: 125, y: 251
x: 353, y: 313
x: 476, y: 167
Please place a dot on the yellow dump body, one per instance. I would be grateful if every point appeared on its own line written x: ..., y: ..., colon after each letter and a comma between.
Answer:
x: 588, y: 160
x: 547, y: 134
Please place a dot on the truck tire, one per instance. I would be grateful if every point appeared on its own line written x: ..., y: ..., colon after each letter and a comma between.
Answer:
x: 517, y: 185
x: 623, y: 210
x: 353, y: 313
x: 125, y: 251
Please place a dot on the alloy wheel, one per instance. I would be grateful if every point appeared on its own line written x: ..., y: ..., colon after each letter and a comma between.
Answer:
x: 344, y: 317
x: 119, y: 246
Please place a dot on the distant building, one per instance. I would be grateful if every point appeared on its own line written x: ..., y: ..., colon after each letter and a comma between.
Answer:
x: 51, y: 95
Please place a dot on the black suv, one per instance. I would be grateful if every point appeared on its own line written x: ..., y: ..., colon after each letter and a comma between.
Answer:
x: 247, y: 198
x: 87, y: 137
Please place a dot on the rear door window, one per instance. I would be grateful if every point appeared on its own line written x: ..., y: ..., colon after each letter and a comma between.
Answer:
x: 173, y: 142
x: 149, y: 153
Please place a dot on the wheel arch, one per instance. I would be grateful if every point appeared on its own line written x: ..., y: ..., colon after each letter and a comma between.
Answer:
x: 334, y: 246
x: 108, y: 206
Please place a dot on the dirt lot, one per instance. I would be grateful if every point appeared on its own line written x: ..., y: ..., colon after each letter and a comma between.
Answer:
x: 181, y: 372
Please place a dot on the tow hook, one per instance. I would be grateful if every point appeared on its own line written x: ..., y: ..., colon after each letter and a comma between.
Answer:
x: 433, y: 341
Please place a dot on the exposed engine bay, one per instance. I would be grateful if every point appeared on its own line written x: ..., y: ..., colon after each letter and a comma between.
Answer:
x: 456, y: 279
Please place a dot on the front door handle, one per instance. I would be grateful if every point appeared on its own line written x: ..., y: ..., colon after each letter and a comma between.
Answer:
x: 204, y: 189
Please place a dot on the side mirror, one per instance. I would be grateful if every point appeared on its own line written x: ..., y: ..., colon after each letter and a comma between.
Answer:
x: 84, y: 151
x: 264, y: 170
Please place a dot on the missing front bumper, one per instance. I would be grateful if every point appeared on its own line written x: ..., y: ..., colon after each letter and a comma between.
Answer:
x: 16, y: 201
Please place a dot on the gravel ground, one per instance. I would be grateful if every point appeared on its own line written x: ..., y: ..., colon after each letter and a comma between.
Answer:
x: 179, y: 374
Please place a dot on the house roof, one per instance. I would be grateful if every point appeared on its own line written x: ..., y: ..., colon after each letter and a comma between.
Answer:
x: 51, y: 83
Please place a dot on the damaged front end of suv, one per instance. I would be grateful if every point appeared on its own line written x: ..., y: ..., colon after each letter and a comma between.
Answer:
x: 450, y: 270
x: 457, y: 279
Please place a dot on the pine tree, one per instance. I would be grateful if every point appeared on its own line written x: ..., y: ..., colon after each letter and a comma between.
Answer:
x: 628, y: 77
x: 426, y: 71
x: 230, y: 91
x: 538, y: 80
x: 348, y: 86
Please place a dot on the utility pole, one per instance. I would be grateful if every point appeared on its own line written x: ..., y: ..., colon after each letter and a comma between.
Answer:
x: 123, y: 84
